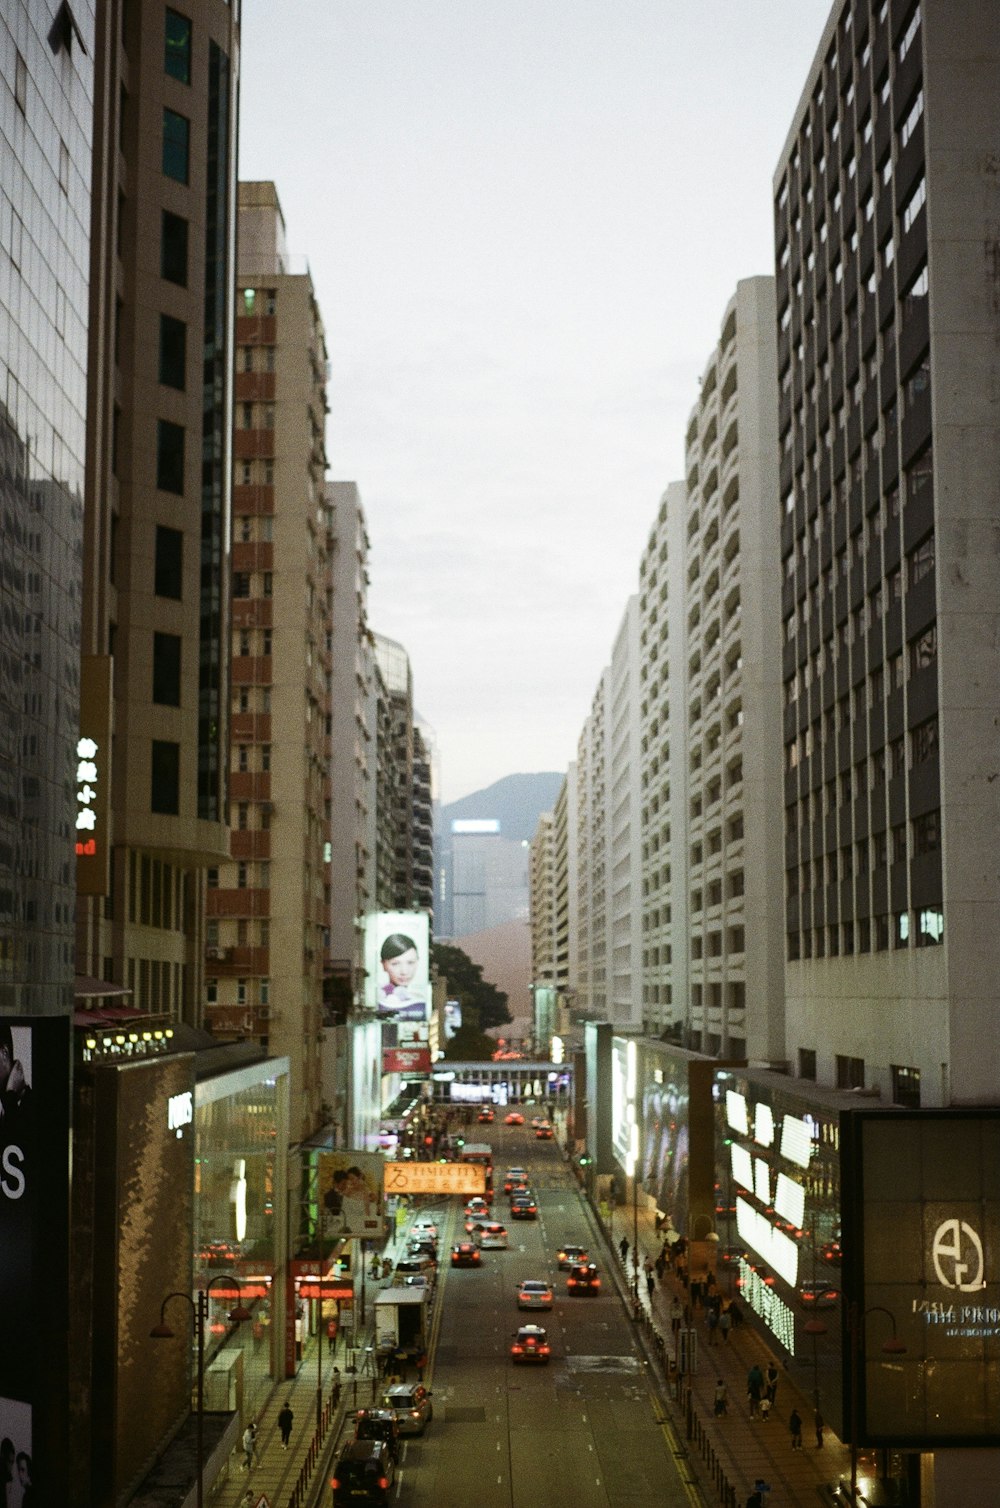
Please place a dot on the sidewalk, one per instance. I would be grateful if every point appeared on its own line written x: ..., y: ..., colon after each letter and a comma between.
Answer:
x: 276, y: 1474
x: 748, y: 1450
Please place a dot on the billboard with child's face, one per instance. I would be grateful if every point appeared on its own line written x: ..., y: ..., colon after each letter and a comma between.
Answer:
x: 397, y: 965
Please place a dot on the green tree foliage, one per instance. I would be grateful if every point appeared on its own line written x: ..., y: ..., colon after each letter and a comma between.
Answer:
x: 470, y: 1044
x: 466, y: 984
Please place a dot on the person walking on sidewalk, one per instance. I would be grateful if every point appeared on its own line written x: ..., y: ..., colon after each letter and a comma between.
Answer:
x: 818, y: 1427
x: 712, y: 1321
x: 795, y: 1429
x: 771, y: 1382
x: 285, y: 1421
x: 676, y: 1315
x: 721, y: 1399
x: 623, y: 1248
x: 725, y: 1324
x: 250, y: 1456
x: 650, y: 1285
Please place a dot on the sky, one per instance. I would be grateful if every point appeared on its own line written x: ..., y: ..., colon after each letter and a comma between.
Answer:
x: 524, y: 220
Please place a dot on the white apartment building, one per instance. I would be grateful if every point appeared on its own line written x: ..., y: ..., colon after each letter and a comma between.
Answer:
x: 623, y: 875
x: 590, y: 981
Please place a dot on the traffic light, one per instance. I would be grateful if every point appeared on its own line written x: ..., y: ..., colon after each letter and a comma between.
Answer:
x: 585, y: 1159
x: 460, y: 1142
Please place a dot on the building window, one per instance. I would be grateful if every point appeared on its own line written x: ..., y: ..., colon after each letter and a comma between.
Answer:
x: 174, y: 249
x: 170, y: 456
x: 241, y: 584
x: 807, y: 1063
x: 850, y: 1073
x: 265, y: 756
x: 241, y: 875
x: 167, y: 669
x: 927, y: 833
x: 906, y: 1086
x: 243, y: 759
x: 241, y: 992
x: 173, y: 350
x: 165, y: 780
x: 168, y: 567
x: 924, y: 739
x: 243, y: 815
x: 176, y: 145
x: 177, y: 58
x: 923, y: 650
x: 930, y: 927
x: 212, y: 991
x: 920, y: 560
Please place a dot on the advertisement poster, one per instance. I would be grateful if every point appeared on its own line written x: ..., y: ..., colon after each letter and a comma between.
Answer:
x: 452, y: 1018
x: 397, y: 965
x: 414, y: 1059
x: 350, y: 1194
x: 34, y: 1119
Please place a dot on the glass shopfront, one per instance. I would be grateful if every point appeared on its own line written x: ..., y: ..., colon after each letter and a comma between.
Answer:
x: 240, y: 1132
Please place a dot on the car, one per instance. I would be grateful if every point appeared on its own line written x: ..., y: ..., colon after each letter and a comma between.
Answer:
x: 531, y: 1343
x: 419, y: 1266
x: 523, y: 1207
x: 513, y: 1118
x: 378, y: 1424
x: 425, y: 1226
x: 571, y: 1256
x: 536, y: 1121
x: 364, y: 1473
x: 417, y: 1280
x: 465, y: 1254
x: 486, y: 1117
x: 493, y: 1236
x: 477, y: 1206
x: 422, y: 1245
x: 411, y: 1403
x: 543, y: 1132
x: 584, y: 1278
x: 534, y: 1294
x: 512, y: 1176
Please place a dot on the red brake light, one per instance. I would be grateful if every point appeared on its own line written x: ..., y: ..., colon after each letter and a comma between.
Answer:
x: 515, y: 1350
x: 383, y: 1482
x: 335, y: 1484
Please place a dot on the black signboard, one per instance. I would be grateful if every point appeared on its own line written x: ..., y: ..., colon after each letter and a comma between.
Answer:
x: 922, y: 1273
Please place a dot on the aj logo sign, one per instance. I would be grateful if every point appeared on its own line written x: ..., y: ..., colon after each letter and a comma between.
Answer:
x: 958, y: 1256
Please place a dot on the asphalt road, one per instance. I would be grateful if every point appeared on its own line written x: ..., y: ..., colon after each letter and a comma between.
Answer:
x: 581, y: 1432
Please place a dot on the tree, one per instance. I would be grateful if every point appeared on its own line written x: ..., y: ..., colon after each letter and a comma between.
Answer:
x: 467, y: 985
x: 470, y: 1044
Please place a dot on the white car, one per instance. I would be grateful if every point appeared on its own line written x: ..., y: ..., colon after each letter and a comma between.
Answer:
x: 532, y: 1294
x: 424, y: 1226
x: 493, y: 1237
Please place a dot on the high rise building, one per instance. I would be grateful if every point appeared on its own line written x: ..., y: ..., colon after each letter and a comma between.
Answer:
x: 268, y: 908
x: 394, y: 666
x: 725, y: 759
x: 47, y: 89
x: 623, y: 871
x: 423, y: 818
x: 889, y: 424
x: 159, y: 418
x: 589, y: 978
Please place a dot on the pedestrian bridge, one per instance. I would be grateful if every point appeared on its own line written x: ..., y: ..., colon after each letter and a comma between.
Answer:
x: 507, y: 1082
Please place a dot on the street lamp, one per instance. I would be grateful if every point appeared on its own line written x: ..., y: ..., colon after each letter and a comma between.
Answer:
x: 199, y: 1314
x: 891, y: 1347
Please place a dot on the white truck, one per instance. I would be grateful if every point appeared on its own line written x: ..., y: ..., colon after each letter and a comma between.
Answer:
x: 401, y: 1316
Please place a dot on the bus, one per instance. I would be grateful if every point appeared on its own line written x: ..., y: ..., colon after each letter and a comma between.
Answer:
x: 480, y: 1152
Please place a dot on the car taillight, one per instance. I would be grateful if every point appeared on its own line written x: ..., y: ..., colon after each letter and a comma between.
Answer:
x: 544, y: 1350
x: 383, y: 1482
x: 335, y: 1483
x: 596, y: 1282
x: 571, y: 1283
x: 516, y: 1350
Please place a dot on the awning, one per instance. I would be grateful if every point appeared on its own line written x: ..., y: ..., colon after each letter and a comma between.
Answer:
x: 87, y: 988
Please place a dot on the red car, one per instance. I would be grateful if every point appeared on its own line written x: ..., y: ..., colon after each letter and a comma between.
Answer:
x: 465, y: 1254
x: 514, y: 1118
x: 543, y: 1133
x: 531, y: 1343
x: 485, y: 1117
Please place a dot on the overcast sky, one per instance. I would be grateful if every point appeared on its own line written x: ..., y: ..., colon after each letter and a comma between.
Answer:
x: 524, y: 220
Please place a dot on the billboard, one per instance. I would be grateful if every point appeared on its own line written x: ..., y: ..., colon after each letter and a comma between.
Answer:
x: 350, y: 1193
x: 434, y: 1178
x: 922, y: 1256
x: 452, y: 1018
x: 415, y: 1059
x: 397, y: 965
x: 624, y: 1125
x: 34, y: 1262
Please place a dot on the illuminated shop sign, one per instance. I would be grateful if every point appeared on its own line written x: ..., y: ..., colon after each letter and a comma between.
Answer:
x: 624, y: 1127
x: 790, y: 1201
x: 763, y: 1125
x: 180, y: 1112
x: 742, y: 1165
x: 922, y: 1235
x: 91, y: 775
x: 736, y: 1112
x: 770, y: 1306
x: 778, y: 1250
x: 796, y: 1140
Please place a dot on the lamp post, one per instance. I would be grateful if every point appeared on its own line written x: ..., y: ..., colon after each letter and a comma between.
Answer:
x: 199, y: 1314
x: 891, y: 1347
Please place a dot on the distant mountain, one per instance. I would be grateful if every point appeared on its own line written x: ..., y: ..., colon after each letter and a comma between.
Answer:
x: 516, y: 801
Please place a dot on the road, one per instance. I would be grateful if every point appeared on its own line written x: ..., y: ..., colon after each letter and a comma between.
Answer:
x: 581, y: 1432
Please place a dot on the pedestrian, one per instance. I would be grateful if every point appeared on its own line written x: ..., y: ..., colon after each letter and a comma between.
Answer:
x: 421, y: 1364
x: 650, y: 1285
x: 725, y: 1324
x: 336, y: 1386
x: 765, y: 1409
x: 694, y: 1288
x: 795, y: 1429
x: 647, y: 1266
x: 818, y: 1427
x: 755, y: 1500
x: 661, y: 1266
x: 771, y: 1382
x: 721, y: 1399
x: 331, y: 1335
x: 676, y: 1315
x: 623, y: 1248
x: 755, y: 1389
x: 249, y: 1446
x: 285, y: 1421
x: 712, y: 1321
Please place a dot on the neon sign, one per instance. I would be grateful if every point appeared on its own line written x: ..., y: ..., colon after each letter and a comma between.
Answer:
x: 86, y: 796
